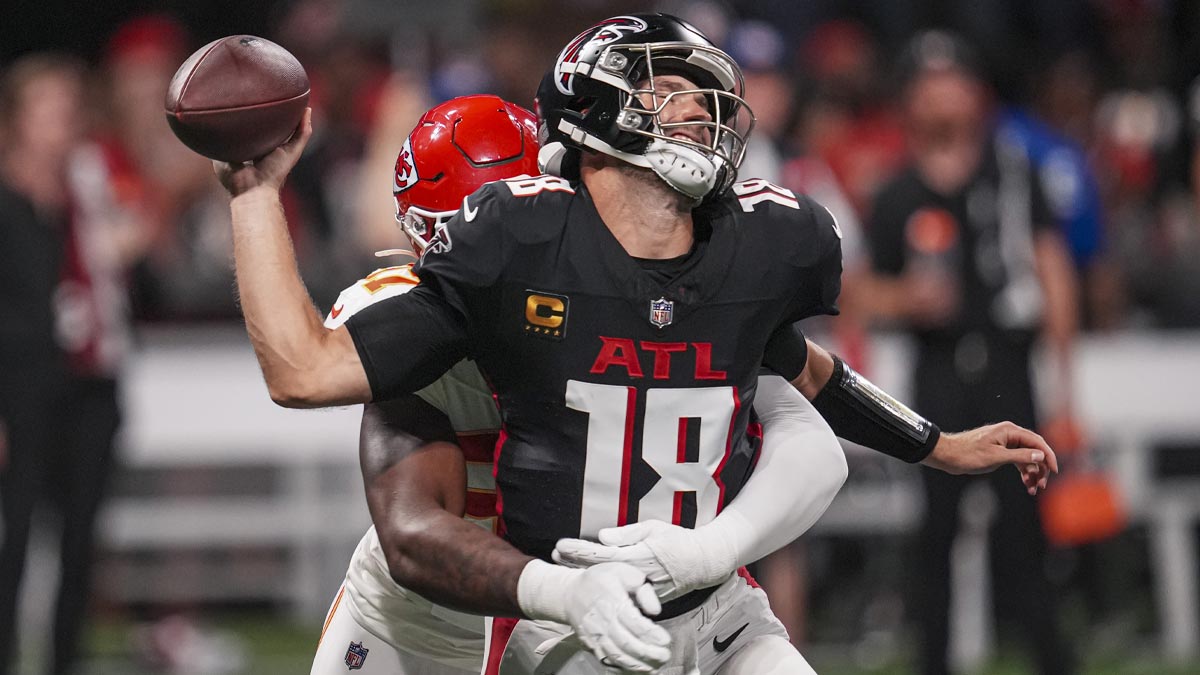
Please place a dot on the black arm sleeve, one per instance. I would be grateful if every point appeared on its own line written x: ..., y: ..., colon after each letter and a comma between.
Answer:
x: 407, y: 342
x: 859, y: 411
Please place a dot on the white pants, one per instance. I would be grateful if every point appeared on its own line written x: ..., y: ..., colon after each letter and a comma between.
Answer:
x: 347, y: 647
x: 732, y: 633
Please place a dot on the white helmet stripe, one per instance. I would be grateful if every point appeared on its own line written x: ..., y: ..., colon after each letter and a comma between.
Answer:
x: 716, y: 68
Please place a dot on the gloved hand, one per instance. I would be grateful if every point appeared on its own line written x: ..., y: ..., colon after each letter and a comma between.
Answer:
x: 598, y: 603
x: 674, y: 559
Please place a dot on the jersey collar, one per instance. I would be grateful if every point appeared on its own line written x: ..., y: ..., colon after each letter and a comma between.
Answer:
x: 694, y: 286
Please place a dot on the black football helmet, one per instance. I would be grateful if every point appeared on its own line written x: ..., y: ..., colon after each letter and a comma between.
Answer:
x: 601, y: 95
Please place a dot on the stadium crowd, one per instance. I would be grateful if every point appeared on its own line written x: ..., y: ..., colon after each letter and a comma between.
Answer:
x: 1103, y: 95
x: 1108, y: 81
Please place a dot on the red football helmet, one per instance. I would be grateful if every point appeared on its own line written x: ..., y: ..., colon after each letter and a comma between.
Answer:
x: 456, y: 147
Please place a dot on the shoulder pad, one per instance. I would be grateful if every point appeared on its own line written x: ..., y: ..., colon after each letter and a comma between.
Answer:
x: 381, y: 284
x: 488, y: 233
x: 529, y: 209
x: 798, y: 227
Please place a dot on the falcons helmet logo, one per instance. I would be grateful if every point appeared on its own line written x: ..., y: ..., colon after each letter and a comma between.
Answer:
x: 587, y: 46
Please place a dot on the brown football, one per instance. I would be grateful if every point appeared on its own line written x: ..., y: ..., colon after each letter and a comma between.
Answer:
x: 237, y: 98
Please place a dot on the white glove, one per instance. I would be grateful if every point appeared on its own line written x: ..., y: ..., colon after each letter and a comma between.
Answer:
x: 598, y: 603
x: 674, y: 559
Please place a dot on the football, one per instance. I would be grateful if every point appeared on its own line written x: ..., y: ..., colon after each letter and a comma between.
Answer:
x: 237, y: 98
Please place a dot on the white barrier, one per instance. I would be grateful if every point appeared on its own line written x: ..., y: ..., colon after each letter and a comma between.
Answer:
x: 196, y: 398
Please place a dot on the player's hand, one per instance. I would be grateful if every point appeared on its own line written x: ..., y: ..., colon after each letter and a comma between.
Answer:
x: 606, y: 607
x: 675, y: 560
x: 269, y: 171
x: 987, y: 448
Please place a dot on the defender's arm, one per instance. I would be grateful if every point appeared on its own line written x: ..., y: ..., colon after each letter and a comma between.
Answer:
x: 416, y: 492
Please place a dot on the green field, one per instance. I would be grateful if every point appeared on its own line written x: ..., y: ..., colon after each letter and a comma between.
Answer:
x: 267, y: 645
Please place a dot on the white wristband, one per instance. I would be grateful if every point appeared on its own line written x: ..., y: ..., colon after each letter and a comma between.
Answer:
x: 541, y: 589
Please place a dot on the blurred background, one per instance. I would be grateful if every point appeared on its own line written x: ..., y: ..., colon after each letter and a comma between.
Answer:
x: 199, y: 529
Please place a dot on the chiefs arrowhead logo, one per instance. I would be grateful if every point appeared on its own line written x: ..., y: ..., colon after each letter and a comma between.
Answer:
x: 587, y: 46
x: 406, y: 169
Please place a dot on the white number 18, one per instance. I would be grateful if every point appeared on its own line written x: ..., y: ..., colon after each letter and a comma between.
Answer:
x: 669, y: 413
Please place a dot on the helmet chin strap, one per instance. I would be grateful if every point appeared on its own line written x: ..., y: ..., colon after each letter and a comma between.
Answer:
x: 686, y: 169
x: 552, y: 159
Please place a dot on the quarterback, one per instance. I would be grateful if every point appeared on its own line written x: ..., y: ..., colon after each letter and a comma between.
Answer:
x: 378, y: 626
x: 620, y: 310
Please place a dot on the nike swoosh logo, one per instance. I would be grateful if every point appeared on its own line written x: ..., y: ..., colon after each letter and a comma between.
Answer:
x: 721, y: 645
x: 337, y: 310
x: 468, y: 212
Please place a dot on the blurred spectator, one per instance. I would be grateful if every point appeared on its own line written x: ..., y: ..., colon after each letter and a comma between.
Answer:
x: 1073, y: 197
x: 402, y: 103
x: 1065, y: 96
x: 847, y: 122
x: 1136, y: 130
x: 969, y: 261
x: 186, y: 273
x: 711, y: 17
x: 1172, y: 289
x: 67, y: 241
x: 759, y: 49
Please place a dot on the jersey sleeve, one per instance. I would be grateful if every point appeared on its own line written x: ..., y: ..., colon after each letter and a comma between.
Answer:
x: 820, y: 258
x: 408, y: 341
x: 466, y: 257
x: 787, y: 352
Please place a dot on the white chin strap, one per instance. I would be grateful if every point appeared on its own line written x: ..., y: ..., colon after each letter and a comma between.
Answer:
x: 686, y: 169
x: 550, y: 158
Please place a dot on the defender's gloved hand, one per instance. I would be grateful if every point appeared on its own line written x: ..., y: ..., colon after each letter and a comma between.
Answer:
x: 598, y: 603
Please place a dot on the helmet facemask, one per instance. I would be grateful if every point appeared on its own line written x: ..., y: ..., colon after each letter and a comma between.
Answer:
x: 421, y: 225
x: 697, y: 157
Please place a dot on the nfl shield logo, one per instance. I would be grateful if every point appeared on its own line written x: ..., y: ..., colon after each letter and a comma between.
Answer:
x: 661, y: 311
x: 356, y: 655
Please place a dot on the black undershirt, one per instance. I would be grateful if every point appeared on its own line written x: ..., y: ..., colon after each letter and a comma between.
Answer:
x: 666, y: 270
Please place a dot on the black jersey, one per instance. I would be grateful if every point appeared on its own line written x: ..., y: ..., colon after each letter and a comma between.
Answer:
x: 624, y: 394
